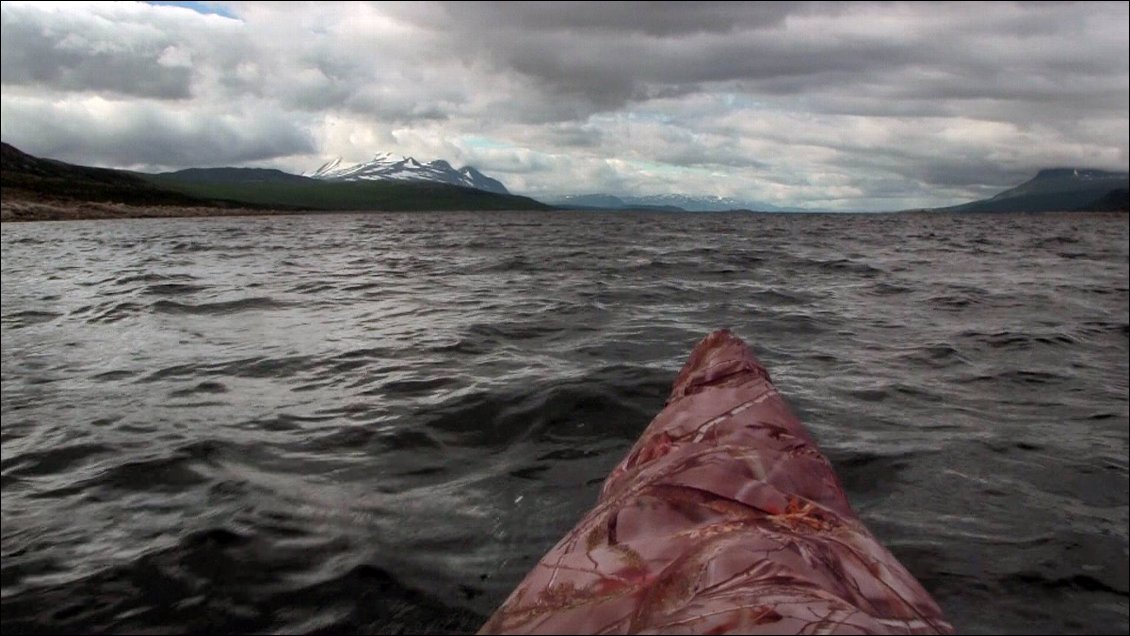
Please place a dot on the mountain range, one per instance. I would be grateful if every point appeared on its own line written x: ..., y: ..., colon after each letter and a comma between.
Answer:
x: 388, y: 182
x: 1051, y: 190
x: 663, y: 202
x: 36, y: 188
x: 389, y: 167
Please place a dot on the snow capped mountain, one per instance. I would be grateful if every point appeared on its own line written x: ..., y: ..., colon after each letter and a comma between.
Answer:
x: 385, y: 166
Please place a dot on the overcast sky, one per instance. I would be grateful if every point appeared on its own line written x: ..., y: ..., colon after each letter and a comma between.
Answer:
x: 831, y: 106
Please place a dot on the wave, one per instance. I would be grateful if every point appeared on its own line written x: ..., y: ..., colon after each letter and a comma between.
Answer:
x: 587, y: 408
x: 1015, y: 376
x: 52, y: 461
x: 219, y: 308
x: 18, y: 319
x: 220, y: 579
x: 844, y: 265
x: 207, y: 388
x: 776, y: 297
x: 174, y: 289
x: 1017, y: 340
x: 115, y: 312
x: 191, y: 465
x: 150, y: 277
x: 256, y: 367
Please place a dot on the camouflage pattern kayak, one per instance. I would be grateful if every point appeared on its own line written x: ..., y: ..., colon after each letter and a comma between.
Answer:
x: 723, y: 518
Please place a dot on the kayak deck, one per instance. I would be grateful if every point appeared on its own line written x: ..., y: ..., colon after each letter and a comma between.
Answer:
x: 723, y: 518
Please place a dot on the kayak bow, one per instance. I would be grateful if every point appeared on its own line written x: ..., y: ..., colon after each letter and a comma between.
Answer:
x: 723, y: 518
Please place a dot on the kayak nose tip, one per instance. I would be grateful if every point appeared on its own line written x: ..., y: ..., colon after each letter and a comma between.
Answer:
x: 718, y: 356
x: 717, y: 340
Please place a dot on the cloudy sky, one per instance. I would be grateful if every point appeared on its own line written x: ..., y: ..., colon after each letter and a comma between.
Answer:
x: 830, y: 106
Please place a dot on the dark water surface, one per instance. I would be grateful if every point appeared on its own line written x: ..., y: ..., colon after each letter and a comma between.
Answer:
x: 380, y: 422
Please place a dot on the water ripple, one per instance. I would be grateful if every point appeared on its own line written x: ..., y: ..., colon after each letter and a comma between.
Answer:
x: 379, y: 422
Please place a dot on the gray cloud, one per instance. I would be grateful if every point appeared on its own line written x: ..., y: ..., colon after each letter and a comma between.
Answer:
x: 145, y: 134
x: 122, y: 48
x: 665, y: 19
x: 44, y: 49
x: 838, y: 104
x: 608, y: 55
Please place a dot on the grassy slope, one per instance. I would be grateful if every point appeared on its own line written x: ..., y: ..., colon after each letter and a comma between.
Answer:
x: 25, y: 177
x: 1053, y: 202
x: 1113, y: 201
x: 1054, y: 190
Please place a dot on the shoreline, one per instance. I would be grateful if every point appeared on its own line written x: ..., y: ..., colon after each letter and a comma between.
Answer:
x: 23, y: 210
x: 26, y: 211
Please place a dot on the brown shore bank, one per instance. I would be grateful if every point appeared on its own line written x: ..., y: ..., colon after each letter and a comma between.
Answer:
x: 12, y: 209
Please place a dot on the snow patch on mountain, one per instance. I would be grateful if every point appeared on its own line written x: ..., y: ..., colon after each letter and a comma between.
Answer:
x: 389, y: 167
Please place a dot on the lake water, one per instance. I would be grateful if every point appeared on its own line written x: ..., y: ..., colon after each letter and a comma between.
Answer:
x: 379, y: 422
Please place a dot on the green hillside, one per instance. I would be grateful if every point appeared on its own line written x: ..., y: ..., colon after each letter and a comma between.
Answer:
x: 28, y: 178
x: 314, y: 194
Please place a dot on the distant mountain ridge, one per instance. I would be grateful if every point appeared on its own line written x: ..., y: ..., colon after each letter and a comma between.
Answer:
x: 29, y: 179
x: 1054, y: 190
x: 388, y: 167
x: 392, y: 183
x: 672, y: 202
x: 232, y: 175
